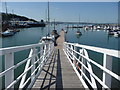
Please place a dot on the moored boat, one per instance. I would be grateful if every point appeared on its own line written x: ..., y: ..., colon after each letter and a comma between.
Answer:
x: 111, y: 32
x: 47, y: 39
x: 78, y: 33
x: 8, y: 33
x: 50, y: 38
x: 118, y: 32
x: 115, y: 33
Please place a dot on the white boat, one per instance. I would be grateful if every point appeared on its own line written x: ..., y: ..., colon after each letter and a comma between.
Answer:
x: 115, y: 33
x: 86, y: 27
x: 98, y: 27
x: 118, y: 33
x: 48, y: 38
x: 111, y: 32
x: 7, y: 33
x: 97, y: 30
x: 78, y: 33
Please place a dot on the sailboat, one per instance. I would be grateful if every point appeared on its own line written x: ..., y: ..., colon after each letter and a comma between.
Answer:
x: 48, y: 38
x: 78, y: 31
x: 54, y: 31
x: 7, y: 31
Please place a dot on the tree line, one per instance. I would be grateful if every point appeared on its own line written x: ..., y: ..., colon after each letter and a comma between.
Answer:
x: 9, y: 16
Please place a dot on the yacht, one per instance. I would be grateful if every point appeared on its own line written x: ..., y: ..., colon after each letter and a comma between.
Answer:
x: 48, y: 38
x: 115, y: 33
x: 7, y: 33
x: 78, y: 33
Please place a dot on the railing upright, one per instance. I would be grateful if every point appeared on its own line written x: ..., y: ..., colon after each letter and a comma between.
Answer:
x: 26, y: 67
x: 75, y: 55
x: 41, y: 50
x: 73, y: 59
x: 84, y: 65
x: 44, y: 58
x: 9, y: 62
x: 82, y: 60
x: 32, y: 63
x: 107, y: 63
x: 90, y: 68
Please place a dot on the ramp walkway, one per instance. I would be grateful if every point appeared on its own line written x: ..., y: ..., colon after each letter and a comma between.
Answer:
x: 58, y: 72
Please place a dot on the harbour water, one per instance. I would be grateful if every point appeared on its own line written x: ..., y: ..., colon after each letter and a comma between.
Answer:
x: 90, y: 37
x: 97, y: 38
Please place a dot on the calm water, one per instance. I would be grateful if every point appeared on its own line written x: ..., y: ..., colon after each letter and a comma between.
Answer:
x: 90, y: 37
x: 93, y: 38
x: 97, y: 39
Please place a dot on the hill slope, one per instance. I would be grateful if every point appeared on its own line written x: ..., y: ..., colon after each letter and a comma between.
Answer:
x: 10, y: 16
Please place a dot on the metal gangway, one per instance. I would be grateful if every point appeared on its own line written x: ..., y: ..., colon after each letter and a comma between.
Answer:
x: 73, y: 67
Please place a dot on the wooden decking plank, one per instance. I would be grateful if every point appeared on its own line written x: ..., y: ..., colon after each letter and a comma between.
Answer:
x: 58, y: 72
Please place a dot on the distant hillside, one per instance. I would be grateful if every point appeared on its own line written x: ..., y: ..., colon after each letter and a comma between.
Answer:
x: 10, y: 16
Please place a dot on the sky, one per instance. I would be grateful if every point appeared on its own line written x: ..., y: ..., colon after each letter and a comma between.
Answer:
x: 99, y: 12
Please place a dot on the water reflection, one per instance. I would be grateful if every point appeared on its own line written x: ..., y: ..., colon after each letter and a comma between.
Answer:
x: 93, y: 38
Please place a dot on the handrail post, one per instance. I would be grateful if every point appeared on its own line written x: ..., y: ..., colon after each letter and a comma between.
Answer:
x: 72, y: 54
x: 107, y: 63
x: 82, y: 60
x: 44, y: 52
x: 41, y: 50
x: 90, y: 68
x: 9, y: 62
x: 75, y: 55
x: 32, y: 63
x: 26, y: 67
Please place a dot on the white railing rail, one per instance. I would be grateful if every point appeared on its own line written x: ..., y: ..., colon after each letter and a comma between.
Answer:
x: 34, y: 63
x: 79, y: 58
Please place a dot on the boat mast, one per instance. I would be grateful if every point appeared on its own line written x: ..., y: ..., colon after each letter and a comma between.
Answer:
x: 54, y: 24
x: 48, y: 13
x: 13, y: 16
x: 78, y: 22
x: 14, y: 21
x: 6, y: 11
x: 46, y: 16
x: 79, y: 19
x: 6, y: 7
x: 48, y: 19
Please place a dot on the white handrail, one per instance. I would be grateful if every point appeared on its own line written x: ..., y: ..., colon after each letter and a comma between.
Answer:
x: 15, y: 66
x: 30, y: 62
x: 83, y: 59
x: 98, y: 65
x: 110, y: 52
x: 91, y: 74
x: 4, y: 51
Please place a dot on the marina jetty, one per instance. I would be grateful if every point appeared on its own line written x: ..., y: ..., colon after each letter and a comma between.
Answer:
x: 16, y: 21
x: 58, y: 72
x: 67, y: 65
